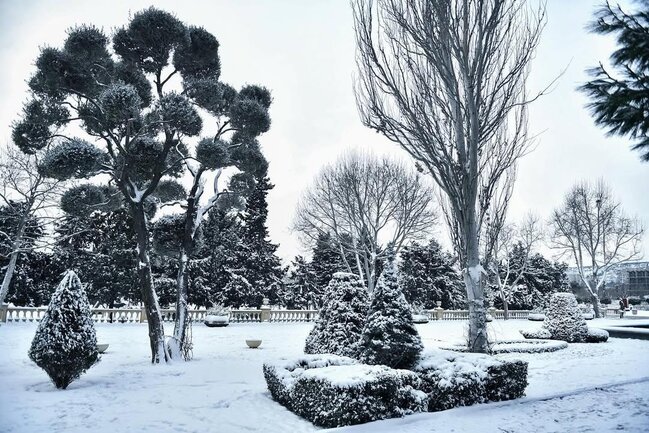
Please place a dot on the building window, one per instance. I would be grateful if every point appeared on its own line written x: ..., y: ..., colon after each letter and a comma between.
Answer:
x: 638, y: 283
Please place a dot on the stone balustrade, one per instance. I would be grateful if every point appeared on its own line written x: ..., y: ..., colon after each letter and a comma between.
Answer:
x: 264, y: 314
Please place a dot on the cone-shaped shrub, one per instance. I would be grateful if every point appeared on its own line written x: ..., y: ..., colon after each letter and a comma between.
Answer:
x: 65, y: 344
x: 389, y: 337
x: 338, y: 327
x: 563, y: 319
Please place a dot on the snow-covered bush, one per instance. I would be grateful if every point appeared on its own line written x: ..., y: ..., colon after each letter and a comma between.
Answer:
x: 333, y: 391
x: 338, y: 327
x: 65, y: 344
x: 389, y: 336
x: 462, y: 379
x: 541, y: 333
x: 565, y: 321
x: 596, y: 335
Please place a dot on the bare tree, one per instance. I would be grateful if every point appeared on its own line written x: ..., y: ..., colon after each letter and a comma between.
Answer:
x: 592, y: 228
x: 365, y: 203
x: 445, y: 79
x: 525, y: 235
x: 30, y: 197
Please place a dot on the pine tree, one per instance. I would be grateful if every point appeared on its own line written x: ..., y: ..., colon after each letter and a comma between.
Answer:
x: 65, y: 344
x: 428, y: 275
x: 326, y: 261
x: 300, y: 290
x: 340, y: 323
x: 618, y: 102
x: 261, y: 267
x: 389, y: 336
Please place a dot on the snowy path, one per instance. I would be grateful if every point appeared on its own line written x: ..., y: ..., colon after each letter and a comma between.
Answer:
x: 223, y: 390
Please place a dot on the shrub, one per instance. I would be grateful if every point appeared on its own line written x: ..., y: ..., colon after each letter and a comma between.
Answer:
x: 462, y: 379
x: 65, y: 344
x: 338, y: 327
x: 605, y: 301
x: 634, y: 300
x: 564, y: 320
x: 541, y: 333
x: 596, y: 335
x: 333, y: 391
x: 389, y: 337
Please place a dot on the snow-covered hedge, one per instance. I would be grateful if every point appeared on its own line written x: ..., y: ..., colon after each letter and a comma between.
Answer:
x: 461, y: 379
x: 541, y: 345
x: 331, y: 390
x: 596, y: 335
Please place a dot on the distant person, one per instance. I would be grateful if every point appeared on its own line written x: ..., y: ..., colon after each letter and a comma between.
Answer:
x: 621, y: 303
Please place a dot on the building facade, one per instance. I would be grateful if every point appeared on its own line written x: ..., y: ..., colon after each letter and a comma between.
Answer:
x: 624, y: 279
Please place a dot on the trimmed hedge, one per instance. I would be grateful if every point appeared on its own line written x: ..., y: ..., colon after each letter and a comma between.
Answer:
x: 596, y: 335
x: 333, y: 391
x: 462, y: 379
x: 345, y: 394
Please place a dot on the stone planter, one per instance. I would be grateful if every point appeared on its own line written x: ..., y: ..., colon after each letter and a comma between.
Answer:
x: 420, y: 318
x: 253, y: 344
x: 217, y: 321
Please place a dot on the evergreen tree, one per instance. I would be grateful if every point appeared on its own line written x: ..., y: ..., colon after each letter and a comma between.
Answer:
x: 36, y: 278
x: 300, y: 290
x: 99, y: 247
x: 260, y: 266
x: 389, y: 336
x: 428, y: 275
x: 326, y: 261
x: 619, y: 102
x: 65, y: 344
x: 563, y: 319
x: 340, y: 323
x: 540, y: 280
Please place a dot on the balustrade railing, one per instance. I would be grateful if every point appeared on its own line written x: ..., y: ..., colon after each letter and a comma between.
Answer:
x: 265, y: 314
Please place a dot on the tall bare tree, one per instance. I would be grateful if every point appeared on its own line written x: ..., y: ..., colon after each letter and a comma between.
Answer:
x: 592, y: 228
x: 31, y: 199
x: 365, y: 203
x: 445, y: 79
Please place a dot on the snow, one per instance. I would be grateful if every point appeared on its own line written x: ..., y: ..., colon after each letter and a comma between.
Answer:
x: 586, y: 387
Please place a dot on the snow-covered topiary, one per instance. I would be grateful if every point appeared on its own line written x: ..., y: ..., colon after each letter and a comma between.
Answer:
x: 65, y: 344
x: 338, y: 327
x: 389, y: 336
x: 596, y: 335
x: 563, y: 319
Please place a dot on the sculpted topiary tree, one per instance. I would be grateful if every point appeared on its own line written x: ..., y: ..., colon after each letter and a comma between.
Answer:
x: 338, y: 328
x: 389, y: 337
x: 136, y: 129
x: 65, y: 344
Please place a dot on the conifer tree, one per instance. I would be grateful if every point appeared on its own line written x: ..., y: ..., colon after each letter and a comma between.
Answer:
x: 65, y: 344
x: 619, y: 95
x: 338, y: 327
x: 428, y: 275
x: 389, y: 336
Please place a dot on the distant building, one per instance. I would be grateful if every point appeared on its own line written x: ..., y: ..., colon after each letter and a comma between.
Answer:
x: 629, y: 279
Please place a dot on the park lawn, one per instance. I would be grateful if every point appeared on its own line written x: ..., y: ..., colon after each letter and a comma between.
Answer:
x: 602, y: 387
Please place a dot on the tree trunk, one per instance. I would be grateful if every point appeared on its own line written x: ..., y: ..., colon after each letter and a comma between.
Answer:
x: 149, y: 298
x: 594, y: 299
x: 503, y: 297
x: 178, y: 344
x: 477, y: 338
x: 13, y: 258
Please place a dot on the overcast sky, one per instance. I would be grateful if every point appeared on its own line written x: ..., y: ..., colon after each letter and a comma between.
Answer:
x: 304, y: 52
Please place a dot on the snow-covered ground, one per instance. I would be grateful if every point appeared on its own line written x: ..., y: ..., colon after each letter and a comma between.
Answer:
x: 586, y: 387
